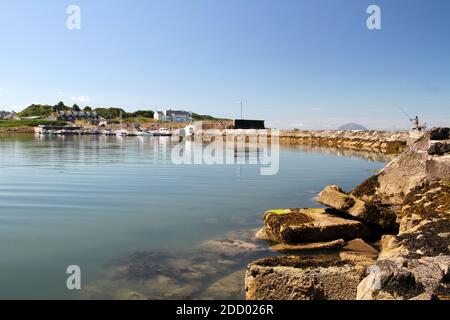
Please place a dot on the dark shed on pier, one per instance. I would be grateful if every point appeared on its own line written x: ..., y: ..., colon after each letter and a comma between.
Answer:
x: 249, y: 124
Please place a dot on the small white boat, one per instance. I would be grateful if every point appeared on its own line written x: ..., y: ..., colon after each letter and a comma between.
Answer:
x: 65, y: 132
x: 144, y: 134
x: 163, y: 132
x: 121, y: 133
x: 108, y: 132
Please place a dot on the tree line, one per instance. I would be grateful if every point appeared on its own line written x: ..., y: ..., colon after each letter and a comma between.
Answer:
x: 38, y: 110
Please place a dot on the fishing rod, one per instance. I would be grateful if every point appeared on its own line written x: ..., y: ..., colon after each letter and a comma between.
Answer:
x: 405, y: 113
x: 415, y: 121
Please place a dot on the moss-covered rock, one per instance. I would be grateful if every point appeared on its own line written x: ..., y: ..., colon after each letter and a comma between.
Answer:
x: 295, y: 226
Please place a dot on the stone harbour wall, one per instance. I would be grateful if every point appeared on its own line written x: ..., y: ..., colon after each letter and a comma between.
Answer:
x: 370, y: 140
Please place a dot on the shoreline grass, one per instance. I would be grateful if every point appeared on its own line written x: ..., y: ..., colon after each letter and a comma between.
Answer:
x: 28, y: 123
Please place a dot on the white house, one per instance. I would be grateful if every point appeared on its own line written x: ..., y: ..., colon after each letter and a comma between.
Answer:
x: 159, y: 115
x: 173, y: 116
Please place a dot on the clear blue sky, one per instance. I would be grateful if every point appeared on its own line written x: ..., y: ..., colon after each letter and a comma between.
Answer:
x: 295, y: 63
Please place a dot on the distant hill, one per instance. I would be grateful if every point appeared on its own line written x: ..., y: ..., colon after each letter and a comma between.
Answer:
x: 40, y: 110
x: 352, y: 126
x: 43, y: 110
x: 36, y: 110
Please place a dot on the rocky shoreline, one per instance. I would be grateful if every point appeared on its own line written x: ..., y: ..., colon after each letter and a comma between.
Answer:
x: 385, y: 142
x: 390, y: 142
x: 389, y: 238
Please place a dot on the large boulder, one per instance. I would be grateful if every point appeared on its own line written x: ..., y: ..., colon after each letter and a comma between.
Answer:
x: 440, y: 134
x: 415, y: 263
x: 335, y: 197
x: 302, y: 278
x: 388, y: 281
x: 439, y: 148
x: 426, y: 159
x: 401, y: 278
x: 295, y: 226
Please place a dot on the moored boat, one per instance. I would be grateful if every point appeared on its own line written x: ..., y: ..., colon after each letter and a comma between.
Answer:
x: 162, y: 132
x: 108, y: 132
x: 121, y: 133
x: 144, y: 133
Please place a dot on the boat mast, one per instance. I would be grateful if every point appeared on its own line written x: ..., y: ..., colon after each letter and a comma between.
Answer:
x: 241, y: 110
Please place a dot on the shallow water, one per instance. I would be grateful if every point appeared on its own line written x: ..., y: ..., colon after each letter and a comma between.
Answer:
x: 100, y: 202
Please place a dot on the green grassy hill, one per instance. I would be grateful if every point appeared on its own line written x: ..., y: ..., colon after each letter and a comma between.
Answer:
x: 36, y: 110
x: 40, y: 110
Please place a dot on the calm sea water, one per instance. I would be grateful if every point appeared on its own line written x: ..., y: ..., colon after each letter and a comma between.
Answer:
x: 91, y: 201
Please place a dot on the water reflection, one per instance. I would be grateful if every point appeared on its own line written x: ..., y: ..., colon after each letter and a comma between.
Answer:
x: 341, y: 152
x: 170, y: 230
x: 86, y: 147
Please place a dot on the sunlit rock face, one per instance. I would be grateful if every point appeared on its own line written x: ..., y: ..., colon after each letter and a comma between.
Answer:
x: 300, y: 278
x: 409, y: 201
x: 414, y: 264
x: 420, y: 250
x: 401, y: 175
